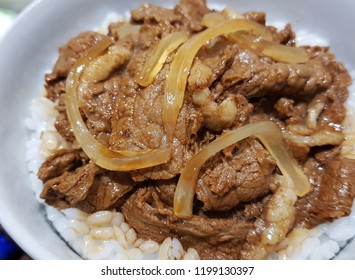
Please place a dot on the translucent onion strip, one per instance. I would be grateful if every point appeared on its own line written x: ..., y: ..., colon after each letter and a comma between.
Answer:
x: 262, y: 45
x: 268, y: 133
x: 181, y: 64
x: 212, y: 19
x: 271, y: 49
x: 215, y: 18
x: 101, y: 155
x: 160, y: 53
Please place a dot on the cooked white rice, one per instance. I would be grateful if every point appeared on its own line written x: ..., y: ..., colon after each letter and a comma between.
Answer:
x: 106, y: 235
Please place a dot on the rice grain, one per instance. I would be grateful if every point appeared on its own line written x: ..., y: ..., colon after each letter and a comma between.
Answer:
x: 149, y: 246
x: 99, y: 218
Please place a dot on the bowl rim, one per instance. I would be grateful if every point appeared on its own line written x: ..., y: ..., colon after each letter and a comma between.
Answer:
x: 7, y: 220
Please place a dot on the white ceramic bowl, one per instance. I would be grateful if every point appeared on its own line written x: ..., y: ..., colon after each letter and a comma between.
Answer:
x: 30, y: 49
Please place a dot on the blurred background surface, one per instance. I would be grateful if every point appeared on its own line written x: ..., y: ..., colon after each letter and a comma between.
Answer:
x: 16, y: 5
x: 8, y: 11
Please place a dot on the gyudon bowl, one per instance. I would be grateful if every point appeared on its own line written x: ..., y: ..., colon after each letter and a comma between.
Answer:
x: 29, y: 132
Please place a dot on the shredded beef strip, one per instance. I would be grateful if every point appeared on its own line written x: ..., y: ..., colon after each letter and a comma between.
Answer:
x: 137, y: 124
x: 240, y: 176
x: 255, y: 77
x: 333, y: 191
x: 60, y: 162
x: 187, y: 13
x: 71, y: 180
x: 70, y: 187
x: 213, y: 238
x: 109, y: 190
x: 56, y: 81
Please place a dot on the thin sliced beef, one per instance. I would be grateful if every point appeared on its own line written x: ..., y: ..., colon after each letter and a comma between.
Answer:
x: 285, y: 36
x: 70, y: 52
x: 62, y: 123
x: 152, y: 14
x: 96, y: 101
x: 192, y: 13
x: 219, y: 111
x: 69, y: 188
x: 255, y: 76
x: 60, y: 162
x: 71, y: 181
x: 108, y: 191
x: 248, y: 231
x: 301, y: 136
x: 243, y: 176
x: 333, y: 191
x: 137, y: 124
x: 217, y: 56
x: 165, y: 190
x: 187, y: 13
x: 56, y: 81
x: 213, y: 238
x: 68, y: 55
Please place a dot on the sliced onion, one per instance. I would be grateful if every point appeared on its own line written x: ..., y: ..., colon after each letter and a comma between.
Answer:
x: 181, y: 64
x: 268, y: 133
x: 271, y: 49
x: 160, y: 53
x: 212, y: 19
x: 262, y: 44
x: 231, y: 14
x: 98, y: 153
